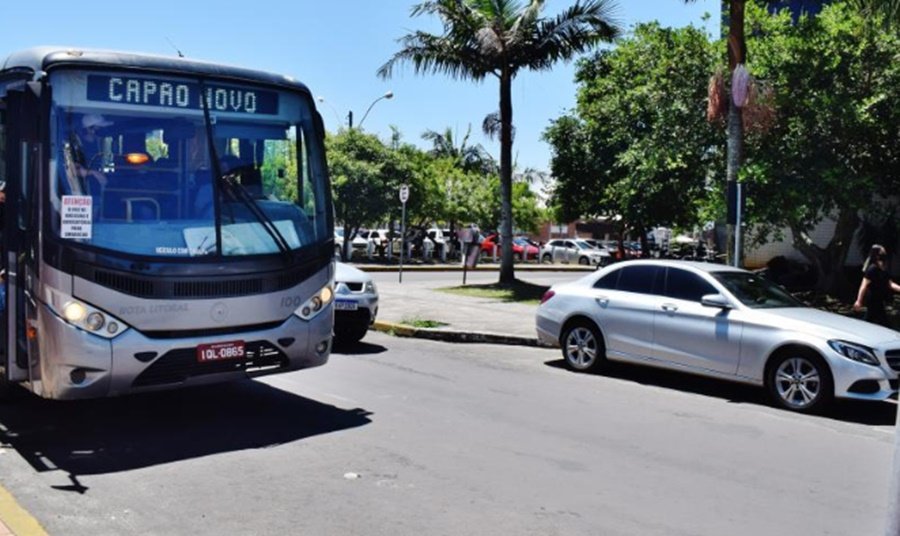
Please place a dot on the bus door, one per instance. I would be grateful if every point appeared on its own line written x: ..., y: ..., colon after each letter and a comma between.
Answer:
x: 21, y: 162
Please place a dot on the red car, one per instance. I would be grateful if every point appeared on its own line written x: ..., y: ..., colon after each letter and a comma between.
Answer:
x: 521, y: 248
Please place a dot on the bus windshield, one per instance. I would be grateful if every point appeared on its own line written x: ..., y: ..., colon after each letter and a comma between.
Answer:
x: 133, y: 168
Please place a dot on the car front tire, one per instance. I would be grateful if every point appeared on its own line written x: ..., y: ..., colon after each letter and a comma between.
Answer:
x: 582, y: 347
x: 800, y: 381
x: 350, y: 332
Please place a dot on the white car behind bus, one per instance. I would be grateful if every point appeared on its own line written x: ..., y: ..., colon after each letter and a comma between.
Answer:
x: 355, y: 303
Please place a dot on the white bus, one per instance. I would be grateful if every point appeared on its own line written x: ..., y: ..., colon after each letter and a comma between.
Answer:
x: 166, y: 223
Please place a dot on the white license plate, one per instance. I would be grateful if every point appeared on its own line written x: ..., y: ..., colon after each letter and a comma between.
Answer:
x: 220, y: 351
x: 345, y: 305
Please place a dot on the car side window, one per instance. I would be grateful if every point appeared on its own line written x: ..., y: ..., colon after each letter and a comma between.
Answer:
x: 685, y: 285
x: 641, y: 279
x: 609, y: 281
x: 570, y: 245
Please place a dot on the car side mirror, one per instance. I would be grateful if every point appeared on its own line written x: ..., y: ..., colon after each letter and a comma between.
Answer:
x: 716, y: 300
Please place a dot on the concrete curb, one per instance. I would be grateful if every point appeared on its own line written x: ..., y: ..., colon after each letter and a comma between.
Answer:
x: 15, y: 520
x: 446, y: 335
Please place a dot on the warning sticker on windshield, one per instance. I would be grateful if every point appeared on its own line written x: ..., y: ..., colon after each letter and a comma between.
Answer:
x: 77, y: 217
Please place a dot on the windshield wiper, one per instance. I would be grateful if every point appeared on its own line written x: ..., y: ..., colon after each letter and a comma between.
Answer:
x: 236, y: 190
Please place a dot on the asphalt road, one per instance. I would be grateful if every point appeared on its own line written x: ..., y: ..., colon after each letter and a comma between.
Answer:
x: 399, y: 436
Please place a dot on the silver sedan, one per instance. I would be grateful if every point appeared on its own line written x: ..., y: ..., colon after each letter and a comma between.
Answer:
x: 718, y: 321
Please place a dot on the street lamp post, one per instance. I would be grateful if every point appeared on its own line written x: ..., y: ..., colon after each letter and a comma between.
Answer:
x: 333, y: 110
x: 388, y: 95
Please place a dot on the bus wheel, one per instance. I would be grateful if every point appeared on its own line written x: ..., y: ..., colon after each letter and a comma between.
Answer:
x: 8, y: 391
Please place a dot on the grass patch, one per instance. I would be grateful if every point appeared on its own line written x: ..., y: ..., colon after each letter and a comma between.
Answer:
x: 423, y: 323
x: 518, y: 292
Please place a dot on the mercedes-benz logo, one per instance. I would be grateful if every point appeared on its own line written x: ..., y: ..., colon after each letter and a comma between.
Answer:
x: 219, y: 312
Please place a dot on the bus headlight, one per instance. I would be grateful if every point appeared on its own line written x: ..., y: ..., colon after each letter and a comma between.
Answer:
x: 74, y: 312
x: 95, y: 321
x: 83, y: 316
x: 315, y: 304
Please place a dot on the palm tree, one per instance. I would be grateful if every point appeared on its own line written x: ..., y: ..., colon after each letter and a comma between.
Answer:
x: 737, y: 55
x: 499, y: 38
x: 889, y: 8
x: 468, y: 157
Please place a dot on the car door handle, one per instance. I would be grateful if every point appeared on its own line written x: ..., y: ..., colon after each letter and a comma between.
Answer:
x: 669, y: 307
x: 602, y: 301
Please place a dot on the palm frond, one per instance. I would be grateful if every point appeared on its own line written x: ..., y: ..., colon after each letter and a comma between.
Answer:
x: 576, y: 30
x: 429, y: 53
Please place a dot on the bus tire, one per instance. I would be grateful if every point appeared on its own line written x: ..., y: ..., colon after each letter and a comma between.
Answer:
x: 8, y: 390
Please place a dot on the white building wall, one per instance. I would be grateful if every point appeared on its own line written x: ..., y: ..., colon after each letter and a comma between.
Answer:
x: 758, y: 257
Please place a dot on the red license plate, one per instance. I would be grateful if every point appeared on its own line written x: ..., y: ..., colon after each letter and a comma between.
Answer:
x: 220, y: 351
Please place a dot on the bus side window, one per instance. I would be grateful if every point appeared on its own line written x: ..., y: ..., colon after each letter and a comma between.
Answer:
x: 2, y: 161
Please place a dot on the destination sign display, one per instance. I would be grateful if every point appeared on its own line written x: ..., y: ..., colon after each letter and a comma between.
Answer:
x: 180, y: 94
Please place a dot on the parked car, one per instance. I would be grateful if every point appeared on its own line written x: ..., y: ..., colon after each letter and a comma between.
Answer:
x: 597, y: 244
x: 378, y: 237
x: 521, y: 248
x: 355, y: 303
x: 573, y: 250
x: 338, y: 241
x: 719, y: 321
x: 437, y: 236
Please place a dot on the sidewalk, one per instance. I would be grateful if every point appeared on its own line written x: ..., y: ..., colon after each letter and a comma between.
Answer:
x: 468, y: 319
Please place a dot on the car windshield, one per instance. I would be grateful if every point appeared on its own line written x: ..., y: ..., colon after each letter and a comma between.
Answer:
x: 756, y: 291
x: 134, y: 168
x: 583, y: 245
x: 520, y: 241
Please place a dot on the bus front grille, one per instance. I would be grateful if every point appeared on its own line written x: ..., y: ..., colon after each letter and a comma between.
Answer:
x: 176, y: 366
x: 238, y: 287
x: 192, y: 288
x: 124, y: 283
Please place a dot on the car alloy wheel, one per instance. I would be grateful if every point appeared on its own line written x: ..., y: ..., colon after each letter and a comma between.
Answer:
x: 582, y: 347
x: 584, y: 261
x: 800, y: 383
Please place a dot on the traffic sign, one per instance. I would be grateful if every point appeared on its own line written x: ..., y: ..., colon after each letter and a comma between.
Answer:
x: 404, y: 193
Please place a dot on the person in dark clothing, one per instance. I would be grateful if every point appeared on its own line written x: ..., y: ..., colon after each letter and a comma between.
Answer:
x: 876, y: 288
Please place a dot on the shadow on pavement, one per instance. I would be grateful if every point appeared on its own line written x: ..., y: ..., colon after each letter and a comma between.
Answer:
x: 872, y: 413
x: 358, y: 348
x: 121, y: 434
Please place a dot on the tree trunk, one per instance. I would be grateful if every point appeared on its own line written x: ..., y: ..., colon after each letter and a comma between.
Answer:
x: 829, y: 261
x: 507, y: 273
x: 735, y: 151
x: 737, y: 54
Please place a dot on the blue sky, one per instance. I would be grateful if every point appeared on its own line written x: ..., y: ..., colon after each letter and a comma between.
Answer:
x: 335, y: 47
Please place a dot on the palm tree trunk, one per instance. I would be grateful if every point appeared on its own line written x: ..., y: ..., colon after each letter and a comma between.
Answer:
x: 735, y: 155
x: 737, y: 54
x: 507, y: 273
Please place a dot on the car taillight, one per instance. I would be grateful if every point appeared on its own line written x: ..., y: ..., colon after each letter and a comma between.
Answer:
x: 547, y: 295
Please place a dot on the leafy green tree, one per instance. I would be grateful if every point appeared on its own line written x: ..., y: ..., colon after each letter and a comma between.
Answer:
x: 361, y: 180
x: 499, y: 38
x: 639, y: 146
x: 835, y: 142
